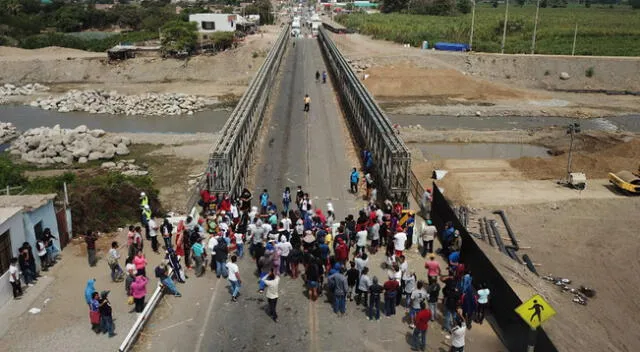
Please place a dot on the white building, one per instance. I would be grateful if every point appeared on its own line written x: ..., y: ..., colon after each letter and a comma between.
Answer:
x: 23, y: 219
x: 215, y: 22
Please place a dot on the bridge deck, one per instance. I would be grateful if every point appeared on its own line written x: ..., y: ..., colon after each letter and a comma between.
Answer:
x: 311, y: 150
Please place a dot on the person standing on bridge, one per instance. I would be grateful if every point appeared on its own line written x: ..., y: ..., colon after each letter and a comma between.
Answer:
x: 307, y: 101
x: 264, y: 201
x: 354, y: 178
x: 234, y: 277
x: 286, y: 200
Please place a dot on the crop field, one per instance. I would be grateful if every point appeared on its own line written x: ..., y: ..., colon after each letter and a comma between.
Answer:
x: 601, y: 31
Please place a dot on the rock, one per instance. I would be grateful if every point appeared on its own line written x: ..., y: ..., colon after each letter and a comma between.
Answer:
x: 564, y: 76
x: 478, y: 113
x: 135, y: 173
x: 122, y: 149
x: 95, y: 156
x: 82, y: 160
x: 81, y: 129
x: 97, y: 133
x: 108, y: 165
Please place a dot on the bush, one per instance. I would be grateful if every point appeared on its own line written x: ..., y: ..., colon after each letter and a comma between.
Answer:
x: 589, y: 72
x: 10, y: 174
x: 84, y: 43
x: 464, y: 6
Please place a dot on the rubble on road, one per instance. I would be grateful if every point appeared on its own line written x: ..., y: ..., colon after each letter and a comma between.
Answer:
x: 104, y: 102
x: 125, y: 167
x: 44, y: 145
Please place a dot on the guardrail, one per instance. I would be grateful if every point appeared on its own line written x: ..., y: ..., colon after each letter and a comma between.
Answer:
x: 370, y: 126
x: 144, y: 316
x: 229, y: 160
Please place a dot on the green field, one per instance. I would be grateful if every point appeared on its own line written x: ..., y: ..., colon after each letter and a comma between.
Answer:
x: 601, y: 31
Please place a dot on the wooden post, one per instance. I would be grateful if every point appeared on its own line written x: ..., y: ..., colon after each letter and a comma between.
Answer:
x: 504, y: 30
x: 575, y: 36
x: 535, y: 29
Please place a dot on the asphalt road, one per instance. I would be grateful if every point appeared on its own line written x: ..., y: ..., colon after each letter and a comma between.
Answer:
x: 298, y: 149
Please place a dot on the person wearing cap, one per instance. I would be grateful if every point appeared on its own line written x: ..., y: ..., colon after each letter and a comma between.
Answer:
x: 425, y: 203
x: 409, y: 226
x: 399, y: 241
x: 144, y: 200
x: 153, y: 234
x: 106, y: 317
x: 145, y: 216
x: 427, y: 235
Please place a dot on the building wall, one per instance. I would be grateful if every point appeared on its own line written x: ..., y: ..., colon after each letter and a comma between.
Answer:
x: 221, y: 21
x: 47, y: 215
x: 16, y: 228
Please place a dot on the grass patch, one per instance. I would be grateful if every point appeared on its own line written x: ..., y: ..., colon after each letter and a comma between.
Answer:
x: 601, y: 31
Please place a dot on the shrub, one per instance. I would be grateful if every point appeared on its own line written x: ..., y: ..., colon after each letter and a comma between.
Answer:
x: 589, y: 72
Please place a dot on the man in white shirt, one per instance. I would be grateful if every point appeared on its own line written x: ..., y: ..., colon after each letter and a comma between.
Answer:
x: 272, y: 281
x: 285, y: 248
x: 211, y: 245
x: 374, y: 231
x: 14, y: 278
x: 361, y: 241
x: 428, y: 235
x: 361, y: 262
x: 399, y: 240
x: 153, y: 233
x: 457, y: 336
x: 286, y: 222
x: 234, y: 278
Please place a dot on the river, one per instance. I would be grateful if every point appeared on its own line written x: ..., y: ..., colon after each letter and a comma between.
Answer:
x: 25, y: 117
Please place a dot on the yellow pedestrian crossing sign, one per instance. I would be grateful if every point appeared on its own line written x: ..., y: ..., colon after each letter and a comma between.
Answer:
x: 535, y: 311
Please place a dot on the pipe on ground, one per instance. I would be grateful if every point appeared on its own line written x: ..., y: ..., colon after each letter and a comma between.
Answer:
x: 511, y: 251
x: 487, y: 229
x: 508, y: 227
x: 497, y: 236
x: 481, y: 228
x: 529, y: 264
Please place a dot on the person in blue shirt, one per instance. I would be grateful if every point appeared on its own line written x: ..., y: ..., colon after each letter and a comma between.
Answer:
x: 447, y: 236
x: 264, y: 200
x: 409, y: 229
x: 324, y: 76
x: 354, y: 178
x: 454, y: 260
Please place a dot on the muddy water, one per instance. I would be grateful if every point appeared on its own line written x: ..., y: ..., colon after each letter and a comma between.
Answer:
x: 435, y: 151
x: 25, y: 117
x: 629, y: 123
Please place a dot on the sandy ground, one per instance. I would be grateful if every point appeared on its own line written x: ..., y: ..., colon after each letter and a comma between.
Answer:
x: 60, y: 296
x: 561, y: 229
x: 413, y: 81
x: 224, y: 74
x: 577, y: 239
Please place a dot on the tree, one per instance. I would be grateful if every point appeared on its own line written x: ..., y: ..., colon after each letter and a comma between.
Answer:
x: 522, y: 2
x: 262, y: 8
x: 635, y: 4
x: 494, y: 3
x: 177, y: 36
x: 464, y: 6
x: 389, y: 6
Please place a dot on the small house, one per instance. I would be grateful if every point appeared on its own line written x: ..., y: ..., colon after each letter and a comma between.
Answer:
x: 214, y: 22
x: 23, y: 219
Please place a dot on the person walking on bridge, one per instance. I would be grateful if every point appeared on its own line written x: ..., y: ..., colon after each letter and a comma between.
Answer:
x: 307, y: 101
x: 354, y: 178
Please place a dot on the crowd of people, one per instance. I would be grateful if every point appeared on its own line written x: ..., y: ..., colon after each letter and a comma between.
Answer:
x: 23, y: 268
x: 332, y: 256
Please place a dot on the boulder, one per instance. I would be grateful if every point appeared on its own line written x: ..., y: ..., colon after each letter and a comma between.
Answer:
x: 108, y: 165
x: 97, y: 133
x: 122, y: 149
x: 95, y: 156
x: 564, y: 76
x: 82, y: 160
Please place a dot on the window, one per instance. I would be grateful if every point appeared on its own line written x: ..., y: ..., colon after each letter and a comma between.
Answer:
x: 37, y: 230
x: 5, y: 251
x: 209, y: 26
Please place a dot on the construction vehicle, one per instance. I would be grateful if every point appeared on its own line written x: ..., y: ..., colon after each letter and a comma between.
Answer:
x: 628, y: 182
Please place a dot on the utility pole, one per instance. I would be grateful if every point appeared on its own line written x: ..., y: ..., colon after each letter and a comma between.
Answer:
x: 575, y: 36
x: 535, y: 29
x: 504, y: 30
x: 473, y: 21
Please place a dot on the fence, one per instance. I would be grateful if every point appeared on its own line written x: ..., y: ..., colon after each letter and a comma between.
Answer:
x: 229, y: 162
x: 513, y: 331
x: 369, y: 125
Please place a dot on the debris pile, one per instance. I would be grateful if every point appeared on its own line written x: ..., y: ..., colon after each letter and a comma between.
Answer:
x: 580, y: 295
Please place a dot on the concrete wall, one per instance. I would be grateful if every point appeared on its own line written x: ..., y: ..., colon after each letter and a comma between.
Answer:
x: 16, y: 228
x: 221, y: 21
x: 47, y: 215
